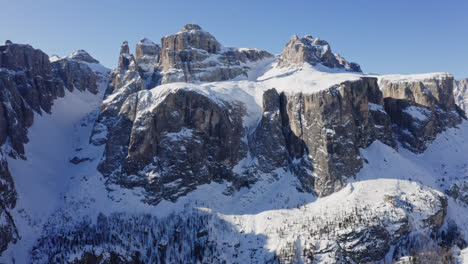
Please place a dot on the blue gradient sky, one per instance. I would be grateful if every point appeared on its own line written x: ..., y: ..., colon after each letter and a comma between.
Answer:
x: 383, y: 36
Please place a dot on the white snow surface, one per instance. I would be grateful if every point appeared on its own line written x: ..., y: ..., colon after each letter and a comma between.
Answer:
x: 417, y: 112
x: 415, y: 77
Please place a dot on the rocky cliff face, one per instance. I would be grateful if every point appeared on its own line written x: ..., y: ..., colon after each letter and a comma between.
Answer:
x: 185, y: 141
x: 461, y: 93
x: 194, y: 54
x: 321, y: 133
x: 29, y: 84
x: 313, y: 51
x: 421, y: 108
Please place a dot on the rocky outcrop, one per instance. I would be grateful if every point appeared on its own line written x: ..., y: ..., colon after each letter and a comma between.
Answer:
x: 460, y: 92
x: 75, y: 74
x: 29, y: 70
x: 313, y: 51
x: 321, y: 133
x: 147, y: 57
x: 420, y: 108
x: 83, y: 56
x: 184, y: 141
x: 190, y: 55
x: 193, y: 54
x: 8, y: 196
x: 459, y: 191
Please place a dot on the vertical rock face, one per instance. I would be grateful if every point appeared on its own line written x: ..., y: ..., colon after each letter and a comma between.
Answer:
x: 75, y: 75
x: 420, y: 108
x: 321, y: 133
x: 184, y: 141
x: 460, y: 92
x: 124, y: 80
x: 147, y: 57
x: 26, y: 85
x: 193, y: 54
x: 313, y: 51
x: 147, y: 53
x: 32, y: 75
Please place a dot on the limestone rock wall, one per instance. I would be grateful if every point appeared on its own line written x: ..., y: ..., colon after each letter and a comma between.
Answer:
x: 420, y: 109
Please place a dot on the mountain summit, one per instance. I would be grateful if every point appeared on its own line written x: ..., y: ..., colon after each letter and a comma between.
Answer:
x: 313, y: 51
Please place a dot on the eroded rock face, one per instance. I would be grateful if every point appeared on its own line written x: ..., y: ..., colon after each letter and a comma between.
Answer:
x: 76, y: 75
x: 193, y: 54
x: 29, y: 70
x: 313, y: 51
x: 82, y: 55
x: 321, y: 133
x: 459, y: 191
x: 147, y: 52
x: 461, y: 94
x: 8, y: 196
x: 147, y: 58
x: 185, y: 141
x: 420, y: 109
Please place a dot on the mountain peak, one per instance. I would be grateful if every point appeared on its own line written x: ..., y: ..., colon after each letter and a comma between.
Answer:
x: 313, y: 51
x: 189, y: 27
x: 124, y: 48
x: 82, y: 55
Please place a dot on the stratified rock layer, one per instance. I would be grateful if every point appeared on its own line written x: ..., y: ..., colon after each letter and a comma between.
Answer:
x: 313, y: 51
x: 185, y: 141
x: 321, y: 133
x: 420, y: 109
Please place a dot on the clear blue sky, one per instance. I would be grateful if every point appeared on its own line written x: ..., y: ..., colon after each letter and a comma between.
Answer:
x: 383, y: 36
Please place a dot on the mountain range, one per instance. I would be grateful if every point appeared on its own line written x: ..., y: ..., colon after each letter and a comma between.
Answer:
x: 194, y: 152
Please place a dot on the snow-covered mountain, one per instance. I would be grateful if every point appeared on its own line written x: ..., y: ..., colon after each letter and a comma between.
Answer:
x: 193, y: 152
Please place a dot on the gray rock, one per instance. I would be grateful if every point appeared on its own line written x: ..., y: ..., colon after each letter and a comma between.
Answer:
x: 459, y: 191
x: 420, y: 109
x: 75, y: 75
x: 322, y: 132
x: 194, y: 54
x: 461, y: 94
x: 313, y: 51
x: 8, y: 196
x: 147, y: 59
x: 268, y: 142
x: 187, y: 140
x: 82, y: 55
